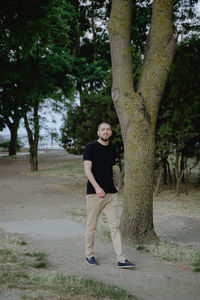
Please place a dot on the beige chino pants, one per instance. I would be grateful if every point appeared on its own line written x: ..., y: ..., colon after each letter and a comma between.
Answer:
x: 95, y: 206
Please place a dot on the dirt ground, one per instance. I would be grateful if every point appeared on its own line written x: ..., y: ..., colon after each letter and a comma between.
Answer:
x: 40, y: 204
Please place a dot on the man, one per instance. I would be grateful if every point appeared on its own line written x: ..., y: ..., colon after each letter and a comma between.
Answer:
x: 99, y: 159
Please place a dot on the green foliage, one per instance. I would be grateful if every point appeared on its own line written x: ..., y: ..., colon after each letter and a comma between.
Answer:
x: 35, y: 56
x: 178, y: 124
x: 80, y: 127
x: 141, y: 19
x: 90, y: 44
x: 6, y: 144
x: 54, y: 48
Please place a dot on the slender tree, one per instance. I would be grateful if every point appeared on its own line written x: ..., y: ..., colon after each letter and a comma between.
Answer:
x: 137, y: 109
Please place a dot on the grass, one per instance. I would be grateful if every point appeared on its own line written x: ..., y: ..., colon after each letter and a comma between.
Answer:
x: 185, y: 204
x: 64, y: 286
x: 22, y: 273
x: 73, y: 168
x: 35, y: 259
x: 178, y: 254
x: 40, y: 259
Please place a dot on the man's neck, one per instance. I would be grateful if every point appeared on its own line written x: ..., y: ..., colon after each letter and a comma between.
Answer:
x: 103, y: 142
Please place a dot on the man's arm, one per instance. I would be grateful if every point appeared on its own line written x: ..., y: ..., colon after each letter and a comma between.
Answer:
x: 88, y: 172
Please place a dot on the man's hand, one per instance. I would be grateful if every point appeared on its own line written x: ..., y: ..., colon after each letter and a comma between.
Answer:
x: 100, y: 192
x: 88, y: 172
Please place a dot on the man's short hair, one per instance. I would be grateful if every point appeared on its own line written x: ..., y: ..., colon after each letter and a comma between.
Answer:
x: 99, y: 126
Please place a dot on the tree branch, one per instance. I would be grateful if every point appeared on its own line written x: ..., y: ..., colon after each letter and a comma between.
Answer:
x: 159, y: 53
x: 120, y: 32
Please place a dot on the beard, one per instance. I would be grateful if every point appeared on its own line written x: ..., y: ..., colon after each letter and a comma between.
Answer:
x: 104, y: 139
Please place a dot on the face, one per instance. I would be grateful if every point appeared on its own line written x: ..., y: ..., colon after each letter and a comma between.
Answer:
x: 104, y: 132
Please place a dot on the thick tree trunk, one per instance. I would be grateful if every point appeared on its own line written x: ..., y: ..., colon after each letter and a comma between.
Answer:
x: 120, y: 180
x: 137, y: 216
x: 13, y: 141
x: 13, y: 127
x: 34, y: 156
x: 137, y: 110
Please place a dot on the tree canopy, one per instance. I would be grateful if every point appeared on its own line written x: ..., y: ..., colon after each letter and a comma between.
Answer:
x: 36, y: 59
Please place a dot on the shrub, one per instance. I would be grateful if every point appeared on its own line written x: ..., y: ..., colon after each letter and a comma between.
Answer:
x: 6, y: 144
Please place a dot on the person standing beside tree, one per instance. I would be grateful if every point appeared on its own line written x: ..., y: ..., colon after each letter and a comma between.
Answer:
x: 99, y: 159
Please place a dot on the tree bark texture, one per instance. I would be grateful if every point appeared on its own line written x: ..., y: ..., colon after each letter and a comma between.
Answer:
x: 13, y: 142
x: 159, y: 177
x: 33, y: 137
x: 137, y: 110
x: 179, y: 172
x: 13, y: 127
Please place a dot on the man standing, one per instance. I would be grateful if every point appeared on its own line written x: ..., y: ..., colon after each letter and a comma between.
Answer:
x: 99, y: 159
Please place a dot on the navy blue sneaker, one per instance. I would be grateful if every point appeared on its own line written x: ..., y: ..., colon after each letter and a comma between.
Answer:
x: 126, y: 265
x: 91, y: 261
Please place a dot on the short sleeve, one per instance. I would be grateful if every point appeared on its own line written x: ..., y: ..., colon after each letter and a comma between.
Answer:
x: 87, y: 154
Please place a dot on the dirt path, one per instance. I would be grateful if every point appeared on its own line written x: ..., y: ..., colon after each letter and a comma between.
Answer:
x: 39, y: 204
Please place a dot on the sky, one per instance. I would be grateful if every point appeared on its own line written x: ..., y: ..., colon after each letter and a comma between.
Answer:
x: 51, y: 122
x: 198, y: 6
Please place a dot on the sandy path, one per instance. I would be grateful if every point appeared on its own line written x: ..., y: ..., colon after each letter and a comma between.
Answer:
x: 29, y: 198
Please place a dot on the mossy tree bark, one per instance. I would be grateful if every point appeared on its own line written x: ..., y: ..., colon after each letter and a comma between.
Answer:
x: 137, y: 109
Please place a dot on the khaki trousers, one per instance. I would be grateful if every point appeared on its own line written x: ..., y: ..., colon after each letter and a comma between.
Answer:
x: 95, y: 206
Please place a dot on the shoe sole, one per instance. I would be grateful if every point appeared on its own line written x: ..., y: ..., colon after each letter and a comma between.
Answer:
x: 126, y: 267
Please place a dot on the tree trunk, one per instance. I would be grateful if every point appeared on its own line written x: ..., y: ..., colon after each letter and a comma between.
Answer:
x: 158, y: 181
x: 169, y: 172
x: 120, y: 180
x: 34, y: 156
x: 137, y: 110
x: 13, y: 127
x: 164, y: 171
x: 33, y: 138
x: 178, y: 174
x: 13, y: 141
x: 188, y: 172
x: 182, y: 166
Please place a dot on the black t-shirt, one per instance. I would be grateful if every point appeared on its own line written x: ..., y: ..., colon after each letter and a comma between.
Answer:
x: 103, y: 159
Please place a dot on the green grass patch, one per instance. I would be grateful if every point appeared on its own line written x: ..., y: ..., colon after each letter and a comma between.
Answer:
x: 196, y: 269
x: 73, y: 168
x: 40, y: 259
x: 22, y: 275
x: 8, y: 256
x: 80, y: 285
x: 176, y: 253
x: 140, y: 248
